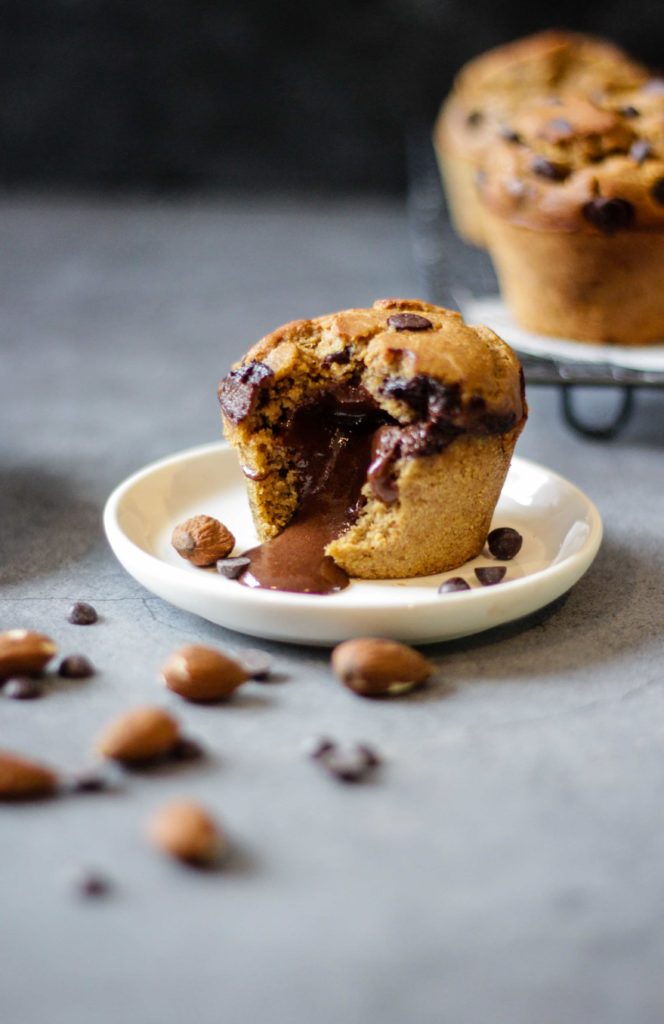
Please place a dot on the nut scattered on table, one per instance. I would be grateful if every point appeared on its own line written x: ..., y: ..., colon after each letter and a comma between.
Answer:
x: 23, y: 779
x: 24, y: 653
x: 143, y: 734
x: 186, y: 831
x: 374, y: 667
x: 200, y: 673
x: 202, y: 540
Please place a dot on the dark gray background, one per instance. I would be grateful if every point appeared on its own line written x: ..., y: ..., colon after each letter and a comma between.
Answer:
x: 506, y: 865
x: 251, y: 93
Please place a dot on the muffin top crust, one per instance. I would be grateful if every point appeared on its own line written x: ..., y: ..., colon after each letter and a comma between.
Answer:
x: 416, y: 361
x: 551, y: 63
x: 574, y: 163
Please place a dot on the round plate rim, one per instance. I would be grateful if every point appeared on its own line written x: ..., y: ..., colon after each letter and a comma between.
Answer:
x: 125, y: 548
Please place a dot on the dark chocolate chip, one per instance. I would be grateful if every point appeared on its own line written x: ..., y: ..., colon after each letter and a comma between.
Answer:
x: 657, y: 191
x: 453, y: 586
x: 640, y: 150
x: 509, y: 135
x: 320, y: 747
x: 93, y: 780
x: 474, y: 118
x: 409, y: 322
x: 609, y: 215
x: 347, y: 765
x: 231, y: 568
x: 22, y: 688
x: 257, y: 663
x: 76, y: 666
x: 238, y: 392
x: 92, y: 884
x: 427, y: 397
x: 489, y: 575
x: 342, y: 357
x: 561, y: 126
x: 548, y: 169
x: 504, y: 543
x: 186, y: 749
x: 371, y: 756
x: 82, y: 614
x: 629, y: 112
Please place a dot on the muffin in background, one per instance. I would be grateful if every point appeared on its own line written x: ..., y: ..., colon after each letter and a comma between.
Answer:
x: 402, y: 411
x: 573, y: 213
x: 492, y: 87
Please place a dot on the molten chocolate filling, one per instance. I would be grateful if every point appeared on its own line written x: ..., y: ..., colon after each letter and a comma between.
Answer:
x: 339, y: 441
x: 332, y: 444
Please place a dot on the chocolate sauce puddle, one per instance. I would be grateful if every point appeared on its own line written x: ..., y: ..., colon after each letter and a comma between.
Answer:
x: 332, y: 440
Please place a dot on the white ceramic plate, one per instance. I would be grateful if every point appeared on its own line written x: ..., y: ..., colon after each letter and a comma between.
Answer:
x: 561, y: 528
x: 492, y: 311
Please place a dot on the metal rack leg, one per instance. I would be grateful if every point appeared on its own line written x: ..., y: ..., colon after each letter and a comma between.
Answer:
x: 604, y: 433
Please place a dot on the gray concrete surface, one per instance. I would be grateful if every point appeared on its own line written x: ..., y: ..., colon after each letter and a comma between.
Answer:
x: 507, y: 864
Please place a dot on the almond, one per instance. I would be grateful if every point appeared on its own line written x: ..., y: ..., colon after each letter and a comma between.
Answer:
x: 373, y: 667
x: 25, y: 653
x: 200, y: 673
x: 202, y: 540
x: 21, y: 779
x: 139, y: 735
x: 184, y: 830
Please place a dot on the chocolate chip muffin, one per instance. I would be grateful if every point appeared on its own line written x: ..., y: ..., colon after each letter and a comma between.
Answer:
x: 375, y: 443
x: 574, y: 216
x: 490, y: 89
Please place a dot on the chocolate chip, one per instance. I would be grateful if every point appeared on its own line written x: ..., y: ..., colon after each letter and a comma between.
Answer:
x: 92, y: 884
x: 342, y: 357
x: 257, y: 663
x: 409, y: 322
x: 640, y: 150
x: 347, y: 765
x: 231, y: 568
x: 22, y: 688
x: 187, y: 749
x: 453, y: 586
x: 629, y: 111
x: 609, y: 215
x: 504, y: 543
x: 489, y: 575
x: 93, y: 780
x: 76, y: 666
x: 371, y: 756
x: 548, y: 169
x: 319, y: 746
x: 498, y: 423
x: 657, y: 191
x: 82, y: 614
x: 474, y: 118
x: 509, y: 135
x: 238, y: 392
x: 427, y: 397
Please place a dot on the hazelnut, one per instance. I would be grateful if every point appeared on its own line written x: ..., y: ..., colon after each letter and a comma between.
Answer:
x: 200, y: 673
x: 24, y: 653
x: 21, y: 779
x: 139, y: 735
x: 374, y: 667
x: 202, y: 540
x: 184, y: 830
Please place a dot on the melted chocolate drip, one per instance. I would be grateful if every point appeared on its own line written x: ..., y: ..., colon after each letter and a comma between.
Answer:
x: 331, y: 441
